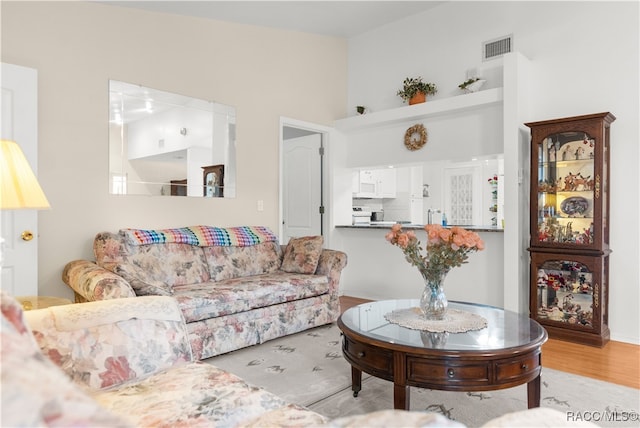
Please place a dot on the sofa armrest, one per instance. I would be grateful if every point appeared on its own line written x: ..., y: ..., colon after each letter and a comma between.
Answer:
x: 107, y: 343
x: 331, y: 264
x: 91, y: 282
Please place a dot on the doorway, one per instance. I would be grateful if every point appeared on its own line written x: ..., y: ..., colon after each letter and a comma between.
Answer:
x: 303, y: 179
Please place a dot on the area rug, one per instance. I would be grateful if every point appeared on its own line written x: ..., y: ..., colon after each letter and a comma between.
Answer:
x: 302, y: 368
x: 308, y: 369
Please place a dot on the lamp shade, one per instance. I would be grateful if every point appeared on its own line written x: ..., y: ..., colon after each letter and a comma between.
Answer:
x: 19, y: 187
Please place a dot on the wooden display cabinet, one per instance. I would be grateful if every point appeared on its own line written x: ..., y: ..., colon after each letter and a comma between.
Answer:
x: 179, y: 187
x: 213, y: 181
x: 569, y: 227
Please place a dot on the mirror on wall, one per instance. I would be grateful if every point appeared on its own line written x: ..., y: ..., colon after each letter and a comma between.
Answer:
x: 161, y: 143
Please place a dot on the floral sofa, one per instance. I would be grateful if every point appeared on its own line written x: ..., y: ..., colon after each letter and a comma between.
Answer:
x: 236, y: 287
x: 129, y: 363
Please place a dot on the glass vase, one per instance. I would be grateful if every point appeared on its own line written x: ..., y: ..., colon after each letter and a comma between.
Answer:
x: 433, y: 301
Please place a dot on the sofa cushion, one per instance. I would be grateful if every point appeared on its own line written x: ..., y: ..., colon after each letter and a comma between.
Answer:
x: 302, y: 254
x: 215, y: 299
x: 34, y: 391
x: 235, y: 262
x: 108, y: 343
x: 155, y: 269
x: 200, y: 394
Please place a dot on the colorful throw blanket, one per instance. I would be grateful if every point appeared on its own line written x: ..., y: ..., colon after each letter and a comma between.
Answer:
x: 203, y: 236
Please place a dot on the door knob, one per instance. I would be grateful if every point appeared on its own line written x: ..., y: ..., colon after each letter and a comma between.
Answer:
x: 27, y: 235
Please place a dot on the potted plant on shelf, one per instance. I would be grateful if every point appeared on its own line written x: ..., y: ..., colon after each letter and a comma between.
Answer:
x: 415, y: 90
x: 471, y: 85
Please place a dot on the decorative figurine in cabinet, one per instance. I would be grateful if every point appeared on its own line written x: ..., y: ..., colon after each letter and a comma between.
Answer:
x: 569, y: 227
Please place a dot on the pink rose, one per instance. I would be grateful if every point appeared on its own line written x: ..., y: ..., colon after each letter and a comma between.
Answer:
x: 433, y: 231
x: 403, y: 240
x: 459, y: 240
x: 444, y: 234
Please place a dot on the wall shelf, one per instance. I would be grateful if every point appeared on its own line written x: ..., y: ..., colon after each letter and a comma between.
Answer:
x: 451, y: 105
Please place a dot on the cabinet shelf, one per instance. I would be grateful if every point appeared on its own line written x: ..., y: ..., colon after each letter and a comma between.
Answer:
x: 564, y: 192
x: 571, y: 218
x: 451, y: 105
x: 565, y: 163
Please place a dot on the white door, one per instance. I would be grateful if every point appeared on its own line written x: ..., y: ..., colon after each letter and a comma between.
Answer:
x: 19, y: 257
x: 461, y: 185
x: 302, y: 180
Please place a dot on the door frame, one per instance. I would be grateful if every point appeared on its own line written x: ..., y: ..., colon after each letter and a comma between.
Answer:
x: 325, y: 168
x: 21, y: 256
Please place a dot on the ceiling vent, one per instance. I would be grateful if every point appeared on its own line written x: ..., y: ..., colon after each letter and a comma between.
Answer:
x: 497, y: 47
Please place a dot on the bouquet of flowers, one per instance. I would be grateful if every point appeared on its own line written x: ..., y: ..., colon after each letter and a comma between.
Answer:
x: 493, y: 180
x: 446, y: 248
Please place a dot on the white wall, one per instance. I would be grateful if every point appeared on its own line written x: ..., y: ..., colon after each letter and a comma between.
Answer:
x: 584, y: 59
x: 78, y: 46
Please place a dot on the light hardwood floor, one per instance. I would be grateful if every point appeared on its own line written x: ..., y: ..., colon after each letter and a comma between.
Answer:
x: 616, y: 362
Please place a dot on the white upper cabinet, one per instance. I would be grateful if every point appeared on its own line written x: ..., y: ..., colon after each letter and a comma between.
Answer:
x: 374, y: 183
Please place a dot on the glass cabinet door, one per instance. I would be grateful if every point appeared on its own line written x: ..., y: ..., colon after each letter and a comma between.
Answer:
x: 565, y: 292
x: 566, y: 189
x: 569, y: 183
x: 569, y: 296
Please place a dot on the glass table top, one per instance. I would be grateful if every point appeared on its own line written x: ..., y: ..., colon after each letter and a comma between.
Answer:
x: 505, y: 329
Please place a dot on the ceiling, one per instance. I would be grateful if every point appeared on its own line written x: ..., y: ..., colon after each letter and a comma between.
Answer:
x: 331, y: 18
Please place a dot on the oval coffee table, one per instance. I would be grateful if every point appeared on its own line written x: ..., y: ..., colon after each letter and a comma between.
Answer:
x: 504, y: 354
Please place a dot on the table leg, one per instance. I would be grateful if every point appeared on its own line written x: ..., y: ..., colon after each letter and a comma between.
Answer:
x: 533, y: 393
x: 401, y: 395
x: 356, y: 381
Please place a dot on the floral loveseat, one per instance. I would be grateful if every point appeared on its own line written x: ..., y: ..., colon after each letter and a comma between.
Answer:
x: 128, y: 363
x: 236, y: 286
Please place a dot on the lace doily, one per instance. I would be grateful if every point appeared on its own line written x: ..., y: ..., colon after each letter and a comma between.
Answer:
x: 455, y: 321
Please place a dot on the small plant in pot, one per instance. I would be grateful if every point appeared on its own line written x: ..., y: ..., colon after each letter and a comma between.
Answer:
x: 471, y: 85
x: 414, y: 90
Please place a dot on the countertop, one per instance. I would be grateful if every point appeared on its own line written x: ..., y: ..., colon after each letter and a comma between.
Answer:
x: 388, y: 224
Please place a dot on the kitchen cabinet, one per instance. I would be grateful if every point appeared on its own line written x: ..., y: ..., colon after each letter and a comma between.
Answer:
x: 374, y: 183
x: 387, y: 182
x: 364, y: 184
x: 569, y: 227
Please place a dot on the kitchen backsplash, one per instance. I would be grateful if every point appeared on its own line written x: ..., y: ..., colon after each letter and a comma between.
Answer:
x: 395, y: 209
